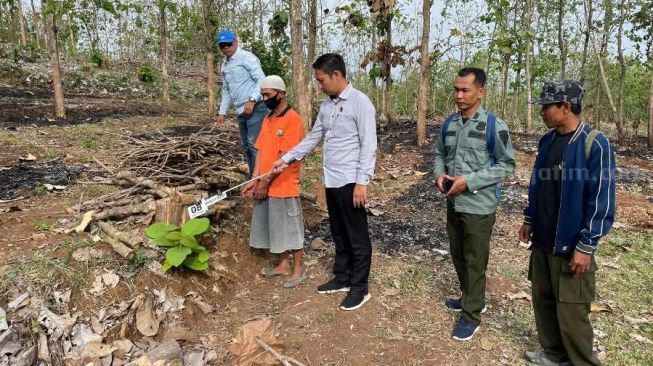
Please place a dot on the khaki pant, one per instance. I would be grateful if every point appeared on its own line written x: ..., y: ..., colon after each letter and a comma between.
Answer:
x: 469, y: 240
x: 562, y: 305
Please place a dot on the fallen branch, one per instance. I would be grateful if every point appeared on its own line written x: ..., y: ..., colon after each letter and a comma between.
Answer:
x: 117, y: 234
x: 285, y: 360
x: 161, y: 191
x: 12, y: 200
x: 119, y: 247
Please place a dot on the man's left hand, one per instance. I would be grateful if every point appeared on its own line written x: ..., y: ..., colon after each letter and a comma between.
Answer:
x: 249, y: 108
x: 459, y: 186
x: 580, y: 263
x: 261, y: 190
x: 360, y: 195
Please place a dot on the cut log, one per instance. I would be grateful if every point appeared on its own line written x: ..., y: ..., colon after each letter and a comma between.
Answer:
x: 124, y: 211
x: 117, y: 234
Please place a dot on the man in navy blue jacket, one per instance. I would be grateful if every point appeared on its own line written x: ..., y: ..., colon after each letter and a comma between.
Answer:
x: 571, y: 205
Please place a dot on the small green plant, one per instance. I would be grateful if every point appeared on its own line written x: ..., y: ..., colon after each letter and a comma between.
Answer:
x: 146, y: 73
x: 100, y: 59
x: 91, y: 142
x: 44, y: 227
x: 40, y: 189
x: 183, y: 248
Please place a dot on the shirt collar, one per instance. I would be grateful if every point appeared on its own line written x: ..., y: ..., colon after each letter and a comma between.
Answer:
x: 283, y: 113
x: 345, y: 93
x: 480, y: 112
x: 235, y: 55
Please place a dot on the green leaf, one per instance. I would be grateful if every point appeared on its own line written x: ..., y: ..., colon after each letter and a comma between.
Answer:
x: 195, y: 263
x: 195, y: 226
x: 163, y: 242
x: 159, y: 230
x: 174, y: 236
x: 176, y: 255
x: 204, y: 256
x: 188, y: 241
x: 166, y: 266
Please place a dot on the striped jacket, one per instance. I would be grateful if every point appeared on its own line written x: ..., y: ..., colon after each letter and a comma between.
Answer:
x: 587, y: 202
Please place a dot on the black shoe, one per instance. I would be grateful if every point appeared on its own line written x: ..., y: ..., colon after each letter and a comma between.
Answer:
x: 543, y: 359
x: 331, y: 287
x: 354, y: 300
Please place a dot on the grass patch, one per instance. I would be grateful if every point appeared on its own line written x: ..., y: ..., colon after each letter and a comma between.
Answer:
x: 41, y: 273
x: 621, y: 348
x: 93, y: 190
x: 6, y: 138
x: 512, y: 273
x: 414, y: 279
x: 91, y: 142
x: 629, y: 285
x: 44, y: 227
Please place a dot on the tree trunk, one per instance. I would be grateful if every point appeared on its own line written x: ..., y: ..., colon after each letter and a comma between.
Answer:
x: 425, y: 62
x: 504, y: 85
x: 529, y: 97
x: 21, y: 23
x: 310, y: 53
x: 650, y: 115
x: 208, y: 52
x: 622, y: 72
x: 53, y: 50
x: 589, y: 13
x: 561, y: 39
x: 299, y: 83
x: 35, y: 24
x: 604, y: 80
x: 164, y: 53
x: 387, y: 71
x: 373, y: 87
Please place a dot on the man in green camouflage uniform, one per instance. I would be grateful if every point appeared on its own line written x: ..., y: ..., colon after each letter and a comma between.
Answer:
x: 469, y: 175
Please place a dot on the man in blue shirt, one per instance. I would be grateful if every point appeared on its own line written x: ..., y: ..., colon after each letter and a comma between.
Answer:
x: 241, y: 79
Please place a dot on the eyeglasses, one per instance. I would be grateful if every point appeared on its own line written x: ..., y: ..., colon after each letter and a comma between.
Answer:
x: 225, y: 45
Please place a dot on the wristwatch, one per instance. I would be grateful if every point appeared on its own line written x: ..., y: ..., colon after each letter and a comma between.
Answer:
x: 251, y: 99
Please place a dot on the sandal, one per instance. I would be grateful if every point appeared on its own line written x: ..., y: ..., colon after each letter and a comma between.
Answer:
x: 268, y: 272
x: 292, y: 283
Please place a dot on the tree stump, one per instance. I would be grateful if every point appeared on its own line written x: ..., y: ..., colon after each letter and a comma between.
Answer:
x: 173, y: 209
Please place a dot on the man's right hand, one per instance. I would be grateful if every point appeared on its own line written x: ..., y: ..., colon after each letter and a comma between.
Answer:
x: 279, y: 166
x: 525, y: 233
x: 219, y: 122
x: 440, y: 182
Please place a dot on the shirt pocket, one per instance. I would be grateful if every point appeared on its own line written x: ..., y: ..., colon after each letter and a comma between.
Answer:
x: 450, y: 146
x: 476, y: 156
x: 581, y: 290
x: 235, y: 75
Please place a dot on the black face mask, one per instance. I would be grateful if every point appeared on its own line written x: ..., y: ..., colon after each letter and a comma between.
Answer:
x: 272, y: 103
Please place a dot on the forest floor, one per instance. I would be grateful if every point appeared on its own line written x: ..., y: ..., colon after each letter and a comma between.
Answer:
x: 404, y: 323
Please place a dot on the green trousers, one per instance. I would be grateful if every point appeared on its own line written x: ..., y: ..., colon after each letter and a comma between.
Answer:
x: 469, y: 240
x: 562, y: 306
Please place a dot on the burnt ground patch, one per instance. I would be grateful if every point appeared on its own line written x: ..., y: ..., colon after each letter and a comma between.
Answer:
x: 28, y: 176
x: 20, y: 107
